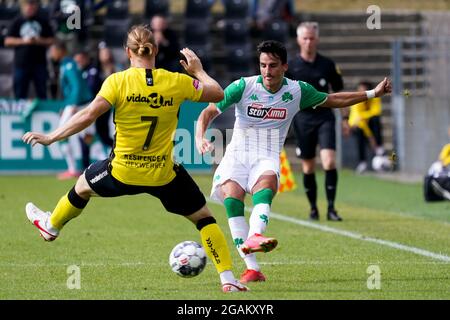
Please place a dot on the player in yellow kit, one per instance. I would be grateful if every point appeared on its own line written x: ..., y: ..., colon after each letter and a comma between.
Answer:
x: 365, y: 122
x: 146, y: 105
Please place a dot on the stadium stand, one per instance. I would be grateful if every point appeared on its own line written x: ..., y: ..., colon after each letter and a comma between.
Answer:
x: 200, y: 9
x: 204, y: 53
x: 236, y: 31
x: 115, y: 31
x: 196, y: 32
x: 116, y: 23
x: 236, y: 9
x: 276, y: 30
x: 117, y: 9
x: 6, y: 61
x: 8, y: 11
x: 153, y: 7
x: 239, y: 60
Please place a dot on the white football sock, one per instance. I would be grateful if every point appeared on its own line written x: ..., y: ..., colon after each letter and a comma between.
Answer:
x: 259, y: 218
x: 227, y: 277
x: 239, y: 232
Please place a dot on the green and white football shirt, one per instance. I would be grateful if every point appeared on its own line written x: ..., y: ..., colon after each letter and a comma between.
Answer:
x: 262, y: 117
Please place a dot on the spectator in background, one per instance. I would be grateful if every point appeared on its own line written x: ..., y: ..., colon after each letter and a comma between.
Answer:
x: 76, y: 95
x: 89, y: 71
x: 53, y: 75
x: 365, y: 123
x: 106, y: 62
x: 30, y: 36
x: 91, y: 75
x: 167, y: 42
x: 316, y: 125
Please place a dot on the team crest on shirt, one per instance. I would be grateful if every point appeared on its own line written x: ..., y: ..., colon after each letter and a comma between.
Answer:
x: 259, y: 111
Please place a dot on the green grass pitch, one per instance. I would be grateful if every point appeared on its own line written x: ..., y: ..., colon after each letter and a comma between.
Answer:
x: 122, y: 245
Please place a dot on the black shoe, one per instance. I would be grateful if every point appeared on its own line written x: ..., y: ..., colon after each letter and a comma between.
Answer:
x: 333, y: 215
x: 314, y: 214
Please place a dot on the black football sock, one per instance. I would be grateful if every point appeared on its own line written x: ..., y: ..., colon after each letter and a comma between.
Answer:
x: 309, y: 182
x: 331, y: 178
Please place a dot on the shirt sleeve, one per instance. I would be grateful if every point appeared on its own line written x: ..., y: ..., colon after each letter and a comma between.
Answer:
x: 192, y: 89
x: 233, y: 94
x: 108, y: 90
x: 310, y: 97
x: 337, y: 84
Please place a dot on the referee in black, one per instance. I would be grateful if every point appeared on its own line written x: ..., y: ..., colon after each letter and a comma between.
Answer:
x: 316, y: 126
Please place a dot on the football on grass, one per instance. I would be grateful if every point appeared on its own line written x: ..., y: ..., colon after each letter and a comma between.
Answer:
x: 187, y: 259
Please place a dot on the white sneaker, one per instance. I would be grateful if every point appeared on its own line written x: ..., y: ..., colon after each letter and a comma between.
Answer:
x: 234, y: 287
x: 40, y: 220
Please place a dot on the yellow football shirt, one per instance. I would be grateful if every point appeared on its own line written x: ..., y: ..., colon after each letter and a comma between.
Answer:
x: 360, y: 114
x: 146, y: 107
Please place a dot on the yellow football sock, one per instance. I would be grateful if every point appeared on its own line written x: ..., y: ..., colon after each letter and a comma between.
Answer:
x: 216, y: 247
x: 68, y: 207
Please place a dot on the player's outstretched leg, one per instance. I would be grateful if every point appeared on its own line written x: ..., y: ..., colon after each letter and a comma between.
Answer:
x: 239, y: 231
x: 41, y: 220
x: 216, y: 248
x: 49, y: 225
x: 259, y: 219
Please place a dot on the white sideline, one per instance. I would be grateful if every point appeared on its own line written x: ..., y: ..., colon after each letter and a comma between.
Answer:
x: 352, y: 235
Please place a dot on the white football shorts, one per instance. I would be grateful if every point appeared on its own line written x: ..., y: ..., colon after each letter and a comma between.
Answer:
x: 244, y: 169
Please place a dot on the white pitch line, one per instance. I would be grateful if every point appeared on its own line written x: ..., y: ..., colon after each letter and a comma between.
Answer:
x: 353, y: 235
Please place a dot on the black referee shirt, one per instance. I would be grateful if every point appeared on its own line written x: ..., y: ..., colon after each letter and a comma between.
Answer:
x: 322, y: 74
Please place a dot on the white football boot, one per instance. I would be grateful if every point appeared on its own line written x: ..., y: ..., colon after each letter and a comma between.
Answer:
x: 40, y: 220
x: 234, y: 287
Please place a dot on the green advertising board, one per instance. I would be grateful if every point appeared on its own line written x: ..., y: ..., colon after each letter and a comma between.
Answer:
x: 20, y: 116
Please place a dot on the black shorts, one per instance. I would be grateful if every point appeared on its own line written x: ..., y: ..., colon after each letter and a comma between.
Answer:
x: 310, y: 131
x: 180, y: 196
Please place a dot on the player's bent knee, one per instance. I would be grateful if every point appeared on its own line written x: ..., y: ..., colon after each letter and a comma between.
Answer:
x: 232, y: 189
x: 268, y: 180
x: 329, y: 164
x: 83, y: 189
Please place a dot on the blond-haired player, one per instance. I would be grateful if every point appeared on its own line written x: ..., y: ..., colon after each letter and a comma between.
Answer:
x: 146, y: 105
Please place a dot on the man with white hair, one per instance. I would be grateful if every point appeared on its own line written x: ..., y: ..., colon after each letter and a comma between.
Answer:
x: 316, y: 126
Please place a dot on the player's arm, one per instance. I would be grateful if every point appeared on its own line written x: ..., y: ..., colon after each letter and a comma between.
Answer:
x: 337, y: 84
x: 15, y: 41
x: 206, y: 117
x: 44, y: 41
x: 212, y: 91
x: 345, y: 99
x: 78, y: 122
x: 233, y: 94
